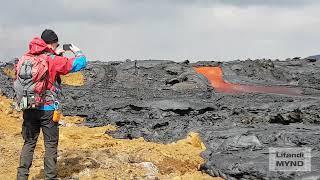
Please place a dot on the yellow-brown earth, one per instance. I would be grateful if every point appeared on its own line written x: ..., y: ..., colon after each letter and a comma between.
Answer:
x: 73, y: 79
x: 9, y: 72
x: 89, y: 153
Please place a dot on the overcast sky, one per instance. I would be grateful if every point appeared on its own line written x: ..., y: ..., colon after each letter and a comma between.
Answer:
x: 166, y: 29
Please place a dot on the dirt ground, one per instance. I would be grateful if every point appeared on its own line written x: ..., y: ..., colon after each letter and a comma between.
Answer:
x: 89, y: 153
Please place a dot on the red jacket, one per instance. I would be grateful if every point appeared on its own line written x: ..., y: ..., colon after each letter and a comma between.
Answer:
x: 58, y: 65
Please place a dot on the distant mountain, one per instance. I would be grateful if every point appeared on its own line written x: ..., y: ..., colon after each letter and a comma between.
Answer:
x: 315, y: 57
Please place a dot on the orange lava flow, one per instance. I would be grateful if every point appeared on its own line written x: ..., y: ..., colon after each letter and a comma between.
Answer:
x: 215, y: 76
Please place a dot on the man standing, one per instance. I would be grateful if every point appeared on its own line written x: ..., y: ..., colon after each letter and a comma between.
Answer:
x: 40, y: 116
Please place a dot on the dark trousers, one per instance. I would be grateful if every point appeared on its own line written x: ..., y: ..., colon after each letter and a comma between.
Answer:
x: 33, y: 121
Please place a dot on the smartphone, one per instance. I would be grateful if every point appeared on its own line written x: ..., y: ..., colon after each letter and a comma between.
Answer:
x: 66, y: 47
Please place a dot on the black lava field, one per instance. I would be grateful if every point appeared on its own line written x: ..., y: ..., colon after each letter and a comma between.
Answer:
x: 162, y: 101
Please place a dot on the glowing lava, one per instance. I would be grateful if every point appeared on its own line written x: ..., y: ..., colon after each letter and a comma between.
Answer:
x: 215, y: 76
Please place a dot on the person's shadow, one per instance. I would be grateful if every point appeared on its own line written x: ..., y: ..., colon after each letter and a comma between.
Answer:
x: 70, y: 167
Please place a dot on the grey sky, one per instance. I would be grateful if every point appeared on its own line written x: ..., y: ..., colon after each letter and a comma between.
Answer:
x: 166, y: 29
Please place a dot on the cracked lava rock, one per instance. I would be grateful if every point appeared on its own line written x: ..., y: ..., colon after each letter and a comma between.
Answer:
x: 256, y: 104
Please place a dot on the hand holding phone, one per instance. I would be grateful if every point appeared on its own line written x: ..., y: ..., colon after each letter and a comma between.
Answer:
x: 67, y: 47
x: 60, y: 51
x: 71, y: 47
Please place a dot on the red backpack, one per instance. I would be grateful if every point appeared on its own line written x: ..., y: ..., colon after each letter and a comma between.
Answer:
x: 31, y: 81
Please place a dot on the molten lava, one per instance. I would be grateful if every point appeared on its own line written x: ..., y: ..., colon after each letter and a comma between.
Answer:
x: 215, y: 76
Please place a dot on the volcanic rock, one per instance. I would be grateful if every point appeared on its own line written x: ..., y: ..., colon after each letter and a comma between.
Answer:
x: 163, y: 101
